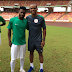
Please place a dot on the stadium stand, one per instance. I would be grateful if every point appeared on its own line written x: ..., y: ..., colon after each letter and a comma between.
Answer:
x: 31, y: 2
x: 27, y: 14
x: 41, y: 3
x: 51, y: 16
x: 28, y: 2
x: 42, y: 13
x: 52, y: 3
x: 54, y: 15
x: 8, y: 15
x: 4, y: 3
x: 21, y: 3
x: 63, y: 2
x: 66, y: 17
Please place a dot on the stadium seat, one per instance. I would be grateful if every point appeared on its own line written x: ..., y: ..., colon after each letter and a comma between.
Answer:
x: 67, y: 16
x: 54, y: 15
x: 63, y: 2
x: 8, y: 15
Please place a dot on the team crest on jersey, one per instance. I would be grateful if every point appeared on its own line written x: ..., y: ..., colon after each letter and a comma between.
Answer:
x: 35, y: 20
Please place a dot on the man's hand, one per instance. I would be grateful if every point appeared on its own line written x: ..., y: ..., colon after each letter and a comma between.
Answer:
x: 10, y: 43
x: 42, y: 44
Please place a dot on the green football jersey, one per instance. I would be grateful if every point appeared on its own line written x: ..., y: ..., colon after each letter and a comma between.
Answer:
x: 18, y: 26
x: 1, y: 20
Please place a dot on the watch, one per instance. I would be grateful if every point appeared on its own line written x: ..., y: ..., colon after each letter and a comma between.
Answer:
x: 43, y: 39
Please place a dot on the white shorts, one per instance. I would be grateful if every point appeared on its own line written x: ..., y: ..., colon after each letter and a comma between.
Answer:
x: 18, y: 51
x: 0, y: 38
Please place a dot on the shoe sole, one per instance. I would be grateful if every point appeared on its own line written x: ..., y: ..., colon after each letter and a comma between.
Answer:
x: 39, y: 71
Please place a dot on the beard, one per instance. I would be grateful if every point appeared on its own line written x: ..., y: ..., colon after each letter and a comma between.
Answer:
x: 21, y: 16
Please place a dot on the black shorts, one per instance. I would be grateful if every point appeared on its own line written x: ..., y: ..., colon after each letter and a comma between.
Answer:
x: 32, y: 45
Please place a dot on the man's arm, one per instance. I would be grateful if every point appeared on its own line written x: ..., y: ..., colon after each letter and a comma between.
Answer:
x: 9, y: 37
x: 2, y: 24
x: 9, y: 31
x: 3, y: 21
x: 44, y: 33
x: 43, y: 40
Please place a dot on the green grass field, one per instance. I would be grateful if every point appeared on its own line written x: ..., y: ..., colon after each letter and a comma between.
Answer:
x: 57, y: 51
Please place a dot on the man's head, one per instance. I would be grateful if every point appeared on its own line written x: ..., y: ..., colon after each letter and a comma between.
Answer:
x: 22, y: 12
x: 33, y: 9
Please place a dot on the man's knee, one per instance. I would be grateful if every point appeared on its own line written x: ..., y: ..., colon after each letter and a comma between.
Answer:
x: 31, y: 52
x: 40, y: 53
x: 12, y: 62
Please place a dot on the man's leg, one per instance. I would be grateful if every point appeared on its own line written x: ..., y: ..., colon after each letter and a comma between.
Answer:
x: 12, y: 64
x: 41, y: 60
x: 31, y: 61
x: 21, y: 64
x: 31, y: 58
x: 14, y: 49
x: 22, y: 55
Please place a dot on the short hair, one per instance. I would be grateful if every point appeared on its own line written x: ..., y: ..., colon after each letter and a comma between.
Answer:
x: 22, y: 7
x: 34, y: 4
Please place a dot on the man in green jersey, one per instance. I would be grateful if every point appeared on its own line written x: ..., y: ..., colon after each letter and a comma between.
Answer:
x: 36, y: 23
x: 3, y: 23
x: 18, y: 45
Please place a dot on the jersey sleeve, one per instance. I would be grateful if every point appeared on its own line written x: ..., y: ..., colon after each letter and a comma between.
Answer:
x: 43, y: 23
x: 1, y: 18
x: 10, y: 24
